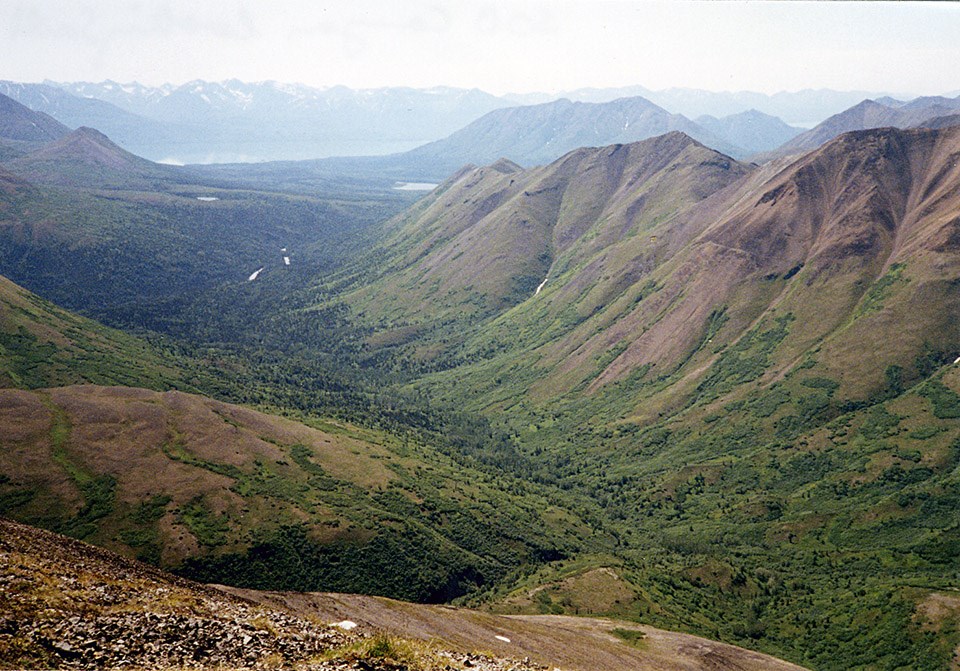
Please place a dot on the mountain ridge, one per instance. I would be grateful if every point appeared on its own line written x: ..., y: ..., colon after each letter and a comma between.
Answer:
x: 538, y: 134
x: 865, y: 115
x: 18, y: 122
x: 541, y: 212
x: 87, y: 158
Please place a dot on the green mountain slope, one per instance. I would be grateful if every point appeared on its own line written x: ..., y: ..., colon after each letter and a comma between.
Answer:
x: 241, y: 497
x: 87, y: 158
x: 751, y: 375
x: 486, y: 240
x: 42, y: 345
x: 255, y: 500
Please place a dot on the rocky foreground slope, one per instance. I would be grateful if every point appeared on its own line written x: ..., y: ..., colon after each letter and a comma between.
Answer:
x: 66, y: 604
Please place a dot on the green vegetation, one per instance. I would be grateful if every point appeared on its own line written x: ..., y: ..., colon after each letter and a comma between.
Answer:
x: 632, y: 637
x: 734, y: 486
x: 746, y: 360
x: 879, y: 291
x: 946, y: 402
x: 393, y: 652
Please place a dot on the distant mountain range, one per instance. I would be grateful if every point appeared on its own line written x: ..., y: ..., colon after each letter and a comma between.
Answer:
x: 229, y: 121
x: 531, y: 135
x: 803, y: 108
x: 868, y: 114
x: 201, y: 122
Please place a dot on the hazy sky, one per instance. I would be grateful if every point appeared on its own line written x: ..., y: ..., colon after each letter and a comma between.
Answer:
x: 499, y: 46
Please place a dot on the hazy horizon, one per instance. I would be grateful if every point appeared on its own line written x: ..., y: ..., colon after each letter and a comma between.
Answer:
x: 520, y: 47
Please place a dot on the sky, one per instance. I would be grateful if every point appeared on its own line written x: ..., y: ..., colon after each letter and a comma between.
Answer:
x: 500, y: 46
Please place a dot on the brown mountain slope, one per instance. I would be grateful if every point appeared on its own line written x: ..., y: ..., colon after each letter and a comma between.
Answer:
x: 872, y: 220
x: 21, y: 124
x: 574, y: 643
x: 69, y: 604
x: 66, y: 604
x: 487, y: 239
x: 869, y: 217
x: 209, y: 489
x: 57, y: 440
x: 673, y: 269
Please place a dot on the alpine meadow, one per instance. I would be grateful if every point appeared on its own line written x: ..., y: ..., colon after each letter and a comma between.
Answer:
x: 300, y: 376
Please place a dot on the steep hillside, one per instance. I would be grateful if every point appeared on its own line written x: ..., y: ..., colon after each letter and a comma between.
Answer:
x: 19, y: 122
x: 66, y: 604
x: 867, y: 114
x: 22, y: 129
x: 836, y: 248
x: 490, y: 237
x: 42, y: 345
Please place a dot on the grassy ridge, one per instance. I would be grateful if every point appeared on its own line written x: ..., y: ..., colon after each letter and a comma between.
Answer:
x: 254, y: 500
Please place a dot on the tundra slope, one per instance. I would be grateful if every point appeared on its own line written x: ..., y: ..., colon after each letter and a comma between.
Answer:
x: 751, y: 368
x: 652, y: 249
